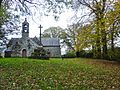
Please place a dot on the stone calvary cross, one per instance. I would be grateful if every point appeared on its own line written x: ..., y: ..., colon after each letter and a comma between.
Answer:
x: 40, y: 33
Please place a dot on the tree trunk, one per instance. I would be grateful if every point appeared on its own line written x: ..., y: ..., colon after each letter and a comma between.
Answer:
x: 103, y: 37
x: 98, y: 48
x: 98, y: 45
x: 112, y: 50
x: 77, y: 54
x: 93, y: 50
x: 112, y: 38
x: 104, y: 45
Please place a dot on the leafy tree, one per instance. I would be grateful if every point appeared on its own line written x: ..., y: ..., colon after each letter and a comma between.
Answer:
x: 98, y: 9
x: 85, y: 37
x: 53, y: 32
x: 3, y: 17
x: 113, y: 19
x: 71, y: 33
x: 8, y: 24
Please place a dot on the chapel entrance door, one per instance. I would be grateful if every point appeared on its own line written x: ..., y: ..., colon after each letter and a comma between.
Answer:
x: 24, y: 53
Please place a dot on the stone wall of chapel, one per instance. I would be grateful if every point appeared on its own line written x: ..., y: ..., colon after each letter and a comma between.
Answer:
x: 54, y: 51
x: 24, y: 44
x: 27, y: 44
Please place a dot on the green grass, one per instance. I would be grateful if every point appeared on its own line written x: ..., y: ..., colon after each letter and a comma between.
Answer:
x: 58, y: 74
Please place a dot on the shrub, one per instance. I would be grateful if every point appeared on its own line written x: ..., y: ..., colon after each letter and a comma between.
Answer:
x: 85, y: 54
x: 40, y: 53
x: 89, y: 55
x: 114, y: 55
x: 70, y: 54
x: 82, y: 53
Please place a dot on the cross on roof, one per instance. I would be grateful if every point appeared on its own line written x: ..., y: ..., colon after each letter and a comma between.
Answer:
x: 40, y: 33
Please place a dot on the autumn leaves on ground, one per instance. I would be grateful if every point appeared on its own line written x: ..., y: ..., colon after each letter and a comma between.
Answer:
x: 58, y: 74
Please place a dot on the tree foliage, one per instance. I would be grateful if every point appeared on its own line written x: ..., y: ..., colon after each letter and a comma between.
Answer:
x: 53, y: 32
x: 8, y: 24
x: 3, y: 18
x: 103, y: 19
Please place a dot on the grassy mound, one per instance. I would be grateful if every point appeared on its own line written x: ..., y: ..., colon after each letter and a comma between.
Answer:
x: 57, y: 74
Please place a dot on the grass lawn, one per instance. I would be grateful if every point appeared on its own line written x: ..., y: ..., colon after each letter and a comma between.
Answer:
x: 58, y: 74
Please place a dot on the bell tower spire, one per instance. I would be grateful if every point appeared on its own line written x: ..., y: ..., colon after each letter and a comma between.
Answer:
x: 25, y: 28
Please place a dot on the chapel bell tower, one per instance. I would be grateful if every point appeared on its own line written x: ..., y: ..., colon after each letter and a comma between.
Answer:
x: 25, y: 29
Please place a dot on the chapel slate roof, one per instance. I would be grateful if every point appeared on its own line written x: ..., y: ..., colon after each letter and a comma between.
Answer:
x: 45, y: 41
x: 50, y: 41
x: 14, y: 40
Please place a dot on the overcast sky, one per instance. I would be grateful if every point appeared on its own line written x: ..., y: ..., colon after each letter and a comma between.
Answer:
x: 46, y: 22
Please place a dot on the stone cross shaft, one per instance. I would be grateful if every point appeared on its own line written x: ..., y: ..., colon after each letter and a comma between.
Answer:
x: 40, y: 33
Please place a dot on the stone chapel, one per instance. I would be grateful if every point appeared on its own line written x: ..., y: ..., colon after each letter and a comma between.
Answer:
x: 24, y: 46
